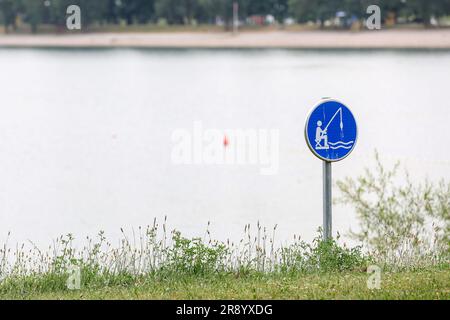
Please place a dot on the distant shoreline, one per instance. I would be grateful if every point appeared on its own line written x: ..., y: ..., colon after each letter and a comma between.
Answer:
x: 385, y: 39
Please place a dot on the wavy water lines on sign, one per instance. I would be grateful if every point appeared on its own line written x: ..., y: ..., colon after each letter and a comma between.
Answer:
x: 341, y: 145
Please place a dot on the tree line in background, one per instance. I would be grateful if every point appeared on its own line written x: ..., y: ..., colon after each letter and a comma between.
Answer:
x: 190, y: 12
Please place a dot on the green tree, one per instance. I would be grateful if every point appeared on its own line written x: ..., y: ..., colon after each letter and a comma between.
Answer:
x: 424, y: 9
x: 314, y: 10
x: 280, y: 9
x: 34, y: 12
x: 136, y: 11
x: 172, y: 10
x: 9, y: 10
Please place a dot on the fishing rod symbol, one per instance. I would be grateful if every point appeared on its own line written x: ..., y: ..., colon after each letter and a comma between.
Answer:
x: 322, y: 135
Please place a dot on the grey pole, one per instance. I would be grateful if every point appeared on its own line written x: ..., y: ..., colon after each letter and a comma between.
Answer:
x: 235, y: 17
x: 327, y: 200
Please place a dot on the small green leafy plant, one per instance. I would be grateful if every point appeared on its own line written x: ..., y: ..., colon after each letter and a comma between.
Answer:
x: 401, y: 223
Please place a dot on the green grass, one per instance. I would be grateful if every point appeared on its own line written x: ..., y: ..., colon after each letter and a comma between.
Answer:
x: 182, y: 268
x: 423, y: 284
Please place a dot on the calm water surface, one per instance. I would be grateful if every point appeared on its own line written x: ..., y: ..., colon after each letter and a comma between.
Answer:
x: 86, y: 135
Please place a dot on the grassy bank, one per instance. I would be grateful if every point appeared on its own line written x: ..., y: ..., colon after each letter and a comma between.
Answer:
x: 181, y: 268
x: 399, y: 248
x: 433, y: 283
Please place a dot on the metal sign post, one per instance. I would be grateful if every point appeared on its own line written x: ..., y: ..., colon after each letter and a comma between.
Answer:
x: 235, y: 17
x: 327, y: 200
x: 331, y: 134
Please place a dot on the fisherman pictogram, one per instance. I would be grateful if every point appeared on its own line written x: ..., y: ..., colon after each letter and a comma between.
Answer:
x: 321, y: 135
x: 321, y: 140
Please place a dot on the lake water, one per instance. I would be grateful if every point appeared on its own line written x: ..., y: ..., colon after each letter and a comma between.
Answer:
x: 86, y: 135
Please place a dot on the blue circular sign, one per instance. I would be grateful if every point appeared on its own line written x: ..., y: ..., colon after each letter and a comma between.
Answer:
x: 331, y: 131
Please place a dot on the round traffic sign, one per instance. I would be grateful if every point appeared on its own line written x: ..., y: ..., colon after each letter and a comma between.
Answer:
x: 331, y: 130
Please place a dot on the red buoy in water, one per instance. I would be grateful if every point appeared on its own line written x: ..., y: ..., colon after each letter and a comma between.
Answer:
x: 225, y: 141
